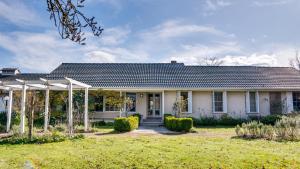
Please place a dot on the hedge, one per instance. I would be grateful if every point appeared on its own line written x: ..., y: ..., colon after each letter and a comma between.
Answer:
x: 178, y: 124
x: 123, y: 124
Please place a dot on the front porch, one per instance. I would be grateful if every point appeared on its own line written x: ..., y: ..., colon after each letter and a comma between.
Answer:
x: 150, y: 105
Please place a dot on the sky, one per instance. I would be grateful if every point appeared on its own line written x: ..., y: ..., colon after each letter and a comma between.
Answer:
x: 237, y: 32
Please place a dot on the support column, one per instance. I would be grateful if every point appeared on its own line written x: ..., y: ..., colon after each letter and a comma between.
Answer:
x: 46, y: 110
x: 163, y: 103
x: 247, y: 102
x: 289, y: 102
x: 9, y: 110
x: 190, y: 102
x: 257, y: 101
x: 70, y: 112
x: 225, y: 101
x: 23, y: 104
x: 86, y: 106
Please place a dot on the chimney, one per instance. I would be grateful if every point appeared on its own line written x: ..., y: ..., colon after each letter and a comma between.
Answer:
x: 10, y: 71
x: 173, y: 61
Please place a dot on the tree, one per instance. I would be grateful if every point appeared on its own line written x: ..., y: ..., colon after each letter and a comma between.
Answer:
x: 70, y: 21
x: 295, y: 62
x: 213, y: 61
x: 179, y: 105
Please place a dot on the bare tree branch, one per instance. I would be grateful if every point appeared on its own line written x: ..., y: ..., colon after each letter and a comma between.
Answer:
x: 295, y: 62
x: 213, y: 61
x: 70, y: 21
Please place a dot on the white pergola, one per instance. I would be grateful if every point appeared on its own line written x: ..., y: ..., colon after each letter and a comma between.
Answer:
x: 46, y: 85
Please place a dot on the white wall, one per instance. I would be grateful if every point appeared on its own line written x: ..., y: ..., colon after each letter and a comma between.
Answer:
x: 236, y: 104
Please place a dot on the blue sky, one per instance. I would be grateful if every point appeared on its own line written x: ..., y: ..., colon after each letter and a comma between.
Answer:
x: 238, y: 32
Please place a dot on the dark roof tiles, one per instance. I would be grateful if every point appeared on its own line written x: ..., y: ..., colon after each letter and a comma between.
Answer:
x: 177, y: 75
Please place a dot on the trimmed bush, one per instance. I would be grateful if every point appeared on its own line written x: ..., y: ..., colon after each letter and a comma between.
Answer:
x: 124, y: 124
x: 139, y: 116
x: 167, y: 115
x: 178, y: 124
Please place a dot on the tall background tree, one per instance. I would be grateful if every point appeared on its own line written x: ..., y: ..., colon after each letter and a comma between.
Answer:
x: 212, y: 61
x: 70, y: 21
x: 295, y: 62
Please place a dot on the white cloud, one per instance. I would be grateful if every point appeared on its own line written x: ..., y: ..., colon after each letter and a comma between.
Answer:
x: 18, y: 13
x: 263, y: 3
x: 211, y: 6
x: 115, y: 36
x: 42, y: 52
x: 195, y: 54
x: 177, y: 28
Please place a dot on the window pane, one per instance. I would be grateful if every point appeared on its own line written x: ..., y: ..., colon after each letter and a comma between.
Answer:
x: 109, y: 107
x: 132, y: 105
x: 296, y: 101
x: 218, y: 99
x: 184, y: 99
x: 253, y: 102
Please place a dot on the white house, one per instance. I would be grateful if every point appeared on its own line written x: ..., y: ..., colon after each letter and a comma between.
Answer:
x: 238, y: 91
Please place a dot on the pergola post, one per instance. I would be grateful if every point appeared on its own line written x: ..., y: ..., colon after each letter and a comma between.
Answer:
x: 9, y: 111
x: 23, y: 104
x: 46, y: 110
x: 70, y: 112
x: 86, y: 105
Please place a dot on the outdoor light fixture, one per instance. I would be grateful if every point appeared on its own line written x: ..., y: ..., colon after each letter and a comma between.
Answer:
x: 141, y: 95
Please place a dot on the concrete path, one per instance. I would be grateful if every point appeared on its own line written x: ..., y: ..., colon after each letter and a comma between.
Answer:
x: 153, y: 130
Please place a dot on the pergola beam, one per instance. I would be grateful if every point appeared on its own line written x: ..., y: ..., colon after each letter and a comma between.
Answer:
x: 75, y: 82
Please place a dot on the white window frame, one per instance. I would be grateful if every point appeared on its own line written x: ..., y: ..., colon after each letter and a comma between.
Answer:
x: 248, y: 102
x: 224, y: 101
x: 189, y: 100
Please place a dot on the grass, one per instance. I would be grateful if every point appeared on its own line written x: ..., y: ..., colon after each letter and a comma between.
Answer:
x: 208, y: 148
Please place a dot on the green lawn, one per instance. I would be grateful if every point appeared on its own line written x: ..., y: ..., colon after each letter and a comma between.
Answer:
x: 210, y: 147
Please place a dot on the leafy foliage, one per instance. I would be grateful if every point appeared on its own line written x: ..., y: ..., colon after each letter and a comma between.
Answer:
x: 123, y: 124
x: 47, y: 138
x: 178, y: 124
x: 288, y: 128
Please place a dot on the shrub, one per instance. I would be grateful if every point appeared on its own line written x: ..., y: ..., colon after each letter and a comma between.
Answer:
x: 2, y: 128
x: 123, y: 124
x: 15, y: 118
x: 98, y: 123
x: 47, y: 138
x: 178, y: 124
x: 167, y: 115
x: 139, y: 116
x: 288, y: 128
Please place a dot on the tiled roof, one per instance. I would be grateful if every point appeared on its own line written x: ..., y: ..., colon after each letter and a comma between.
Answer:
x: 177, y: 75
x: 23, y: 76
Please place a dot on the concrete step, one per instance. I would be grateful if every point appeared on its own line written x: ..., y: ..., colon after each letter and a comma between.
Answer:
x: 158, y: 123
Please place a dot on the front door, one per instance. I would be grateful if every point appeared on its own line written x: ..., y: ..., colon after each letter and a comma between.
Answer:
x: 154, y: 105
x: 275, y: 103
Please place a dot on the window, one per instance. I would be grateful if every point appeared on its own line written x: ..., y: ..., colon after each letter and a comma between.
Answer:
x: 296, y: 101
x: 112, y: 103
x: 184, y: 99
x: 131, y: 105
x: 218, y: 101
x: 252, y: 102
x: 98, y: 103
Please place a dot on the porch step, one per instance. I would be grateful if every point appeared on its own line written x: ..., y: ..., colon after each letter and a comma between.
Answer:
x: 152, y: 122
